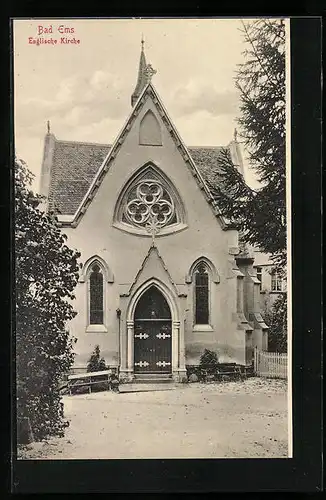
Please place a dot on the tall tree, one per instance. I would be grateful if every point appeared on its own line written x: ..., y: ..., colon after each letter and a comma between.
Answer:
x: 276, y: 320
x: 46, y: 274
x: 259, y: 213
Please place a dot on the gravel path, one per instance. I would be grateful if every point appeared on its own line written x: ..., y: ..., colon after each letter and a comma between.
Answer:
x: 226, y: 420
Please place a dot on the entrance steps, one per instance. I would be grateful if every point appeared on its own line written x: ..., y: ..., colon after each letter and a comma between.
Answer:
x: 144, y: 382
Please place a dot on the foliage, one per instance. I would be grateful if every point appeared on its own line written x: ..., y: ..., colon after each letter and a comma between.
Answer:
x: 46, y: 274
x: 276, y: 319
x: 95, y: 362
x: 208, y: 361
x: 259, y: 214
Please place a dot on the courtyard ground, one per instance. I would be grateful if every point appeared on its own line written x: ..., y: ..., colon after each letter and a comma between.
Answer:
x: 226, y: 420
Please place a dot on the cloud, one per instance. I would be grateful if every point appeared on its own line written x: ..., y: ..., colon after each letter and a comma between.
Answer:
x: 203, y: 128
x: 103, y: 131
x: 197, y: 95
x: 78, y: 102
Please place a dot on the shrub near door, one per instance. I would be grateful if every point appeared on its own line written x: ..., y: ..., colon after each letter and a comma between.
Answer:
x: 208, y: 365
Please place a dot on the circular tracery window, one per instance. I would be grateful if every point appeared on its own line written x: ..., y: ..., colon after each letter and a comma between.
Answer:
x: 149, y: 200
x: 149, y: 203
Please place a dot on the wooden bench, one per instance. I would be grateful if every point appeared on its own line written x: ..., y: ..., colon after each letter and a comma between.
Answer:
x: 233, y: 372
x: 89, y: 379
x: 224, y: 373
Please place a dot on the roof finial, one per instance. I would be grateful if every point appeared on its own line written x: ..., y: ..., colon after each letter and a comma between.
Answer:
x: 149, y: 72
x: 235, y: 135
x: 153, y: 227
x: 48, y: 126
x: 145, y: 73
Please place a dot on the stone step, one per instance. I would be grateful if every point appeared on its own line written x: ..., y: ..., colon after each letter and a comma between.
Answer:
x: 156, y: 380
x: 155, y: 376
x: 146, y: 387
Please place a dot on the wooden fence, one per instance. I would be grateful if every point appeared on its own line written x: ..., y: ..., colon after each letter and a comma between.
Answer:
x: 270, y: 364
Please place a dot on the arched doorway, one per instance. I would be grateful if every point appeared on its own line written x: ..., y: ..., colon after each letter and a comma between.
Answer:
x: 152, y: 333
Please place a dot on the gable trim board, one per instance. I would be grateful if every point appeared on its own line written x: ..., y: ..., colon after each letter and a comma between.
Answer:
x: 148, y: 91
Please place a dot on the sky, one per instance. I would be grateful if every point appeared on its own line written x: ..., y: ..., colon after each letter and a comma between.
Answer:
x: 84, y: 89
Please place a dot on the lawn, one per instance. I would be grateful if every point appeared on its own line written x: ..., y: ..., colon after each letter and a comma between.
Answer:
x: 219, y: 420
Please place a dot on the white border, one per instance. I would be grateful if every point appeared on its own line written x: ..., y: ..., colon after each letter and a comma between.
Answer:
x: 288, y: 228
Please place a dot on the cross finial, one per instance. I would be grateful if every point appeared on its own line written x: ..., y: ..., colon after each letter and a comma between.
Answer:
x: 142, y: 41
x: 149, y: 72
x: 48, y: 126
x: 153, y: 227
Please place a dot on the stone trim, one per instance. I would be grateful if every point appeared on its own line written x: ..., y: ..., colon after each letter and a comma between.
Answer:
x: 109, y: 278
x: 213, y: 271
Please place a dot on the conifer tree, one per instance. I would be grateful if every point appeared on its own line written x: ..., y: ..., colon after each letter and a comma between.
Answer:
x: 276, y: 320
x: 260, y: 214
x: 46, y: 273
x: 95, y: 362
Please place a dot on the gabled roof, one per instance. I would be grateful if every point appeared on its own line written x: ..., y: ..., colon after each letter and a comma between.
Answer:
x: 72, y: 188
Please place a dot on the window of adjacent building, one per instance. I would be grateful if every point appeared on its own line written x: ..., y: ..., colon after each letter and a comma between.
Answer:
x: 259, y: 274
x: 201, y: 295
x: 96, y: 295
x: 277, y: 284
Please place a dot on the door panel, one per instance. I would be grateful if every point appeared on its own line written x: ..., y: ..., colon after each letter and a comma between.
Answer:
x: 153, y: 346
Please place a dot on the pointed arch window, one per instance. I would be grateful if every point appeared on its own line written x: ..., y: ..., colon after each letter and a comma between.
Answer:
x: 201, y: 284
x: 149, y: 195
x: 150, y: 130
x: 201, y: 275
x: 96, y: 295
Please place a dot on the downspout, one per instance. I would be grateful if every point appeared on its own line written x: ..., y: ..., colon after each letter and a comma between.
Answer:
x: 118, y: 311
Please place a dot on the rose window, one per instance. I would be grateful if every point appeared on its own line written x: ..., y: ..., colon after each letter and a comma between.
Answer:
x: 149, y: 200
x: 149, y: 205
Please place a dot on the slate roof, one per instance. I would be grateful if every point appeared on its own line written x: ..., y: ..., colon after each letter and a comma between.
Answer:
x: 207, y: 161
x: 75, y: 165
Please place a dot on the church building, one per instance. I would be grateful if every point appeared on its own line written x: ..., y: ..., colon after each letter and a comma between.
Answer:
x: 163, y: 276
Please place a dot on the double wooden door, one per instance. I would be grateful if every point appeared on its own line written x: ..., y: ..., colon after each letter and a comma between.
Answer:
x: 153, y: 346
x: 152, y: 334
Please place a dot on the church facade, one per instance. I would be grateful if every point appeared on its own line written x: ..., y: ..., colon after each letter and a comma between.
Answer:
x: 163, y: 276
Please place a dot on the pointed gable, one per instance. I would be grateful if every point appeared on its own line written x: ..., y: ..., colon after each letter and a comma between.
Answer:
x: 153, y: 266
x: 198, y: 173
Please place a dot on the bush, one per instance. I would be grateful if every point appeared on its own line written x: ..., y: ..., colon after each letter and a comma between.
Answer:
x: 209, y: 362
x: 95, y: 362
x: 193, y: 378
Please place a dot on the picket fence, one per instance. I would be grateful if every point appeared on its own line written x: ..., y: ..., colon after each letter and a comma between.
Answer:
x: 270, y: 364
